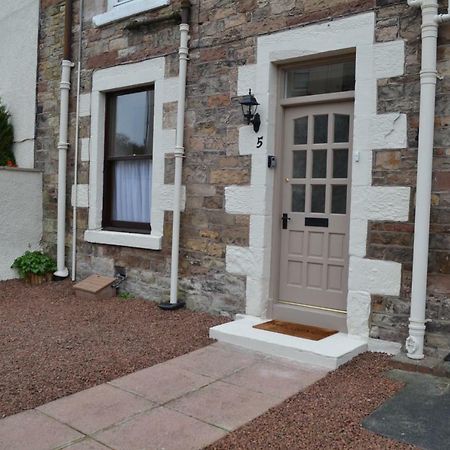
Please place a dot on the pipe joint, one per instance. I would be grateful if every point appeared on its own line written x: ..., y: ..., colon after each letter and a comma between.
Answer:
x: 63, y: 146
x: 415, y: 3
x: 179, y: 152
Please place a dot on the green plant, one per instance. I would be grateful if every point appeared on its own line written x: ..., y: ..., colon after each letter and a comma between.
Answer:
x: 36, y: 263
x: 124, y: 295
x: 6, y: 138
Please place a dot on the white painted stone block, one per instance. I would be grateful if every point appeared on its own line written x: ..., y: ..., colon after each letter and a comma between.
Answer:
x: 389, y: 59
x: 374, y: 276
x: 82, y: 195
x: 85, y: 153
x: 388, y: 131
x: 358, y: 313
x: 85, y: 105
x: 380, y: 203
x: 256, y: 297
x: 245, y: 200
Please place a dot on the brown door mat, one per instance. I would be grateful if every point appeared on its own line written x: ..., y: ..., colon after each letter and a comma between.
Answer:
x: 296, y: 329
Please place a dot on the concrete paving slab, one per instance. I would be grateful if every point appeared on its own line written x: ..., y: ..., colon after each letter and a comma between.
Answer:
x: 224, y: 405
x: 96, y: 408
x: 162, y: 383
x: 32, y: 430
x: 87, y: 444
x: 419, y: 414
x: 215, y: 362
x: 271, y: 378
x: 160, y: 428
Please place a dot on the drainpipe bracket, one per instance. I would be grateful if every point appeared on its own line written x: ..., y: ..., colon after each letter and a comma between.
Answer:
x: 442, y: 18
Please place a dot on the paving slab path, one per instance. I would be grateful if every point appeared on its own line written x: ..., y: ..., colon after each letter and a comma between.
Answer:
x: 184, y: 403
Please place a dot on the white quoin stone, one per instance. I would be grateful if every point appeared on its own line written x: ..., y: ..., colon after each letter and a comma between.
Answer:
x: 82, y: 195
x: 370, y: 131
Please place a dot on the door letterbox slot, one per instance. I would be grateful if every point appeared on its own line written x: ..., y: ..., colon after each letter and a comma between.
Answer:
x: 316, y: 222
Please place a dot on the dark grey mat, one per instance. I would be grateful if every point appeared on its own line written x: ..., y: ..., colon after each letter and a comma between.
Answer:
x: 419, y: 414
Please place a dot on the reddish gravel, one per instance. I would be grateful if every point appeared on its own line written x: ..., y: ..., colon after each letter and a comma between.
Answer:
x: 327, y: 415
x: 53, y: 344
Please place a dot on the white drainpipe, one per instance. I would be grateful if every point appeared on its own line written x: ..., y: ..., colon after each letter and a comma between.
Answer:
x: 63, y: 145
x: 179, y: 155
x: 428, y: 76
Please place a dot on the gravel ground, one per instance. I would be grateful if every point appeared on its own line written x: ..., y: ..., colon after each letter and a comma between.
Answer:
x: 327, y: 415
x: 53, y: 344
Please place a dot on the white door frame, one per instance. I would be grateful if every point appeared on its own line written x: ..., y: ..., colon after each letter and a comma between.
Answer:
x: 372, y: 131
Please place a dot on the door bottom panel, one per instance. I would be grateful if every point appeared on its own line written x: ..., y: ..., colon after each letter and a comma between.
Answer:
x: 325, y: 318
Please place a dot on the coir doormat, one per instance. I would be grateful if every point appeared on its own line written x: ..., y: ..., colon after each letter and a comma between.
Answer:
x: 296, y: 329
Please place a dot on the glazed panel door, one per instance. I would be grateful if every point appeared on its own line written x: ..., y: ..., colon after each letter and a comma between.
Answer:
x: 315, y: 206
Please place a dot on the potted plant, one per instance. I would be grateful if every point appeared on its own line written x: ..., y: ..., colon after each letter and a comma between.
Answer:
x: 35, y: 267
x: 6, y: 138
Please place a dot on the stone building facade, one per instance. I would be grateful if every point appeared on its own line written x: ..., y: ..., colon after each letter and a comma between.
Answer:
x: 227, y: 223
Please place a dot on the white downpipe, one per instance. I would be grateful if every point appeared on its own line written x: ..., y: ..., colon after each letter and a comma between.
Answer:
x: 428, y: 77
x: 76, y: 151
x: 179, y: 155
x: 63, y: 145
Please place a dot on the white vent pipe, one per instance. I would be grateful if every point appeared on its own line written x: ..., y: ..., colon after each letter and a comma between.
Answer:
x: 428, y: 77
x: 77, y: 135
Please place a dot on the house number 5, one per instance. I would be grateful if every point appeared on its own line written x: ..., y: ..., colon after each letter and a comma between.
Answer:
x: 259, y: 143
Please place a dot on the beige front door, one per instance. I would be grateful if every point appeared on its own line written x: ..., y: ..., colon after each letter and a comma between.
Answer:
x: 315, y: 201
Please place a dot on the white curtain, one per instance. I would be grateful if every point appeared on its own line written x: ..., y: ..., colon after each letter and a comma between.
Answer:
x: 132, y: 191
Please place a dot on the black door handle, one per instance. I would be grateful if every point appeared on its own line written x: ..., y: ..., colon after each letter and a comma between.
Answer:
x: 284, y: 220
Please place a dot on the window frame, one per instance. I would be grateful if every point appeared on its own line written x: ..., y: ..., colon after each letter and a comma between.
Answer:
x: 115, y: 10
x: 121, y: 77
x: 107, y: 222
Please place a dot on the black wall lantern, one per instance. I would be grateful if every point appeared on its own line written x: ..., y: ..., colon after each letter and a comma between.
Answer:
x: 249, y: 106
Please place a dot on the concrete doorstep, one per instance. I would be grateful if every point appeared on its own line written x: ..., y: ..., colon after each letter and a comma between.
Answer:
x: 185, y: 403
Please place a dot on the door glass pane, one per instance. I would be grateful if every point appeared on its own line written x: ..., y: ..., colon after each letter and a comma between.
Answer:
x: 319, y: 164
x: 318, y: 198
x: 341, y: 127
x: 340, y: 163
x: 298, y: 198
x: 320, y: 79
x: 339, y: 199
x: 299, y: 164
x: 321, y: 129
x: 301, y: 131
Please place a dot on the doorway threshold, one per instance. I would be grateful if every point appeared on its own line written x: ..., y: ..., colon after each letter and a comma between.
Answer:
x: 330, y: 352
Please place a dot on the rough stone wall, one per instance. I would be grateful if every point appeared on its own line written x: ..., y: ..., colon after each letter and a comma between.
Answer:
x: 223, y: 37
x: 394, y: 241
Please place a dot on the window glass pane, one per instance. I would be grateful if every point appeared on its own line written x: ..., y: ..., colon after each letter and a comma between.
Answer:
x: 318, y: 198
x: 299, y: 165
x: 341, y: 127
x: 321, y: 79
x: 321, y: 129
x: 298, y: 198
x: 319, y: 169
x: 301, y: 131
x: 339, y: 199
x: 131, y: 190
x: 131, y: 124
x: 340, y: 163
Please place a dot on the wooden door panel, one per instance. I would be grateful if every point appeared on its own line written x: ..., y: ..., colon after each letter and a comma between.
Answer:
x: 316, y: 196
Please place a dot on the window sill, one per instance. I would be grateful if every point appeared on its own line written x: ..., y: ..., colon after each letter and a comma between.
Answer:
x: 127, y: 10
x: 135, y: 240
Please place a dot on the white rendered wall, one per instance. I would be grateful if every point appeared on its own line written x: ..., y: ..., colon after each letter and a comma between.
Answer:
x: 371, y: 131
x: 19, y: 21
x: 20, y: 216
